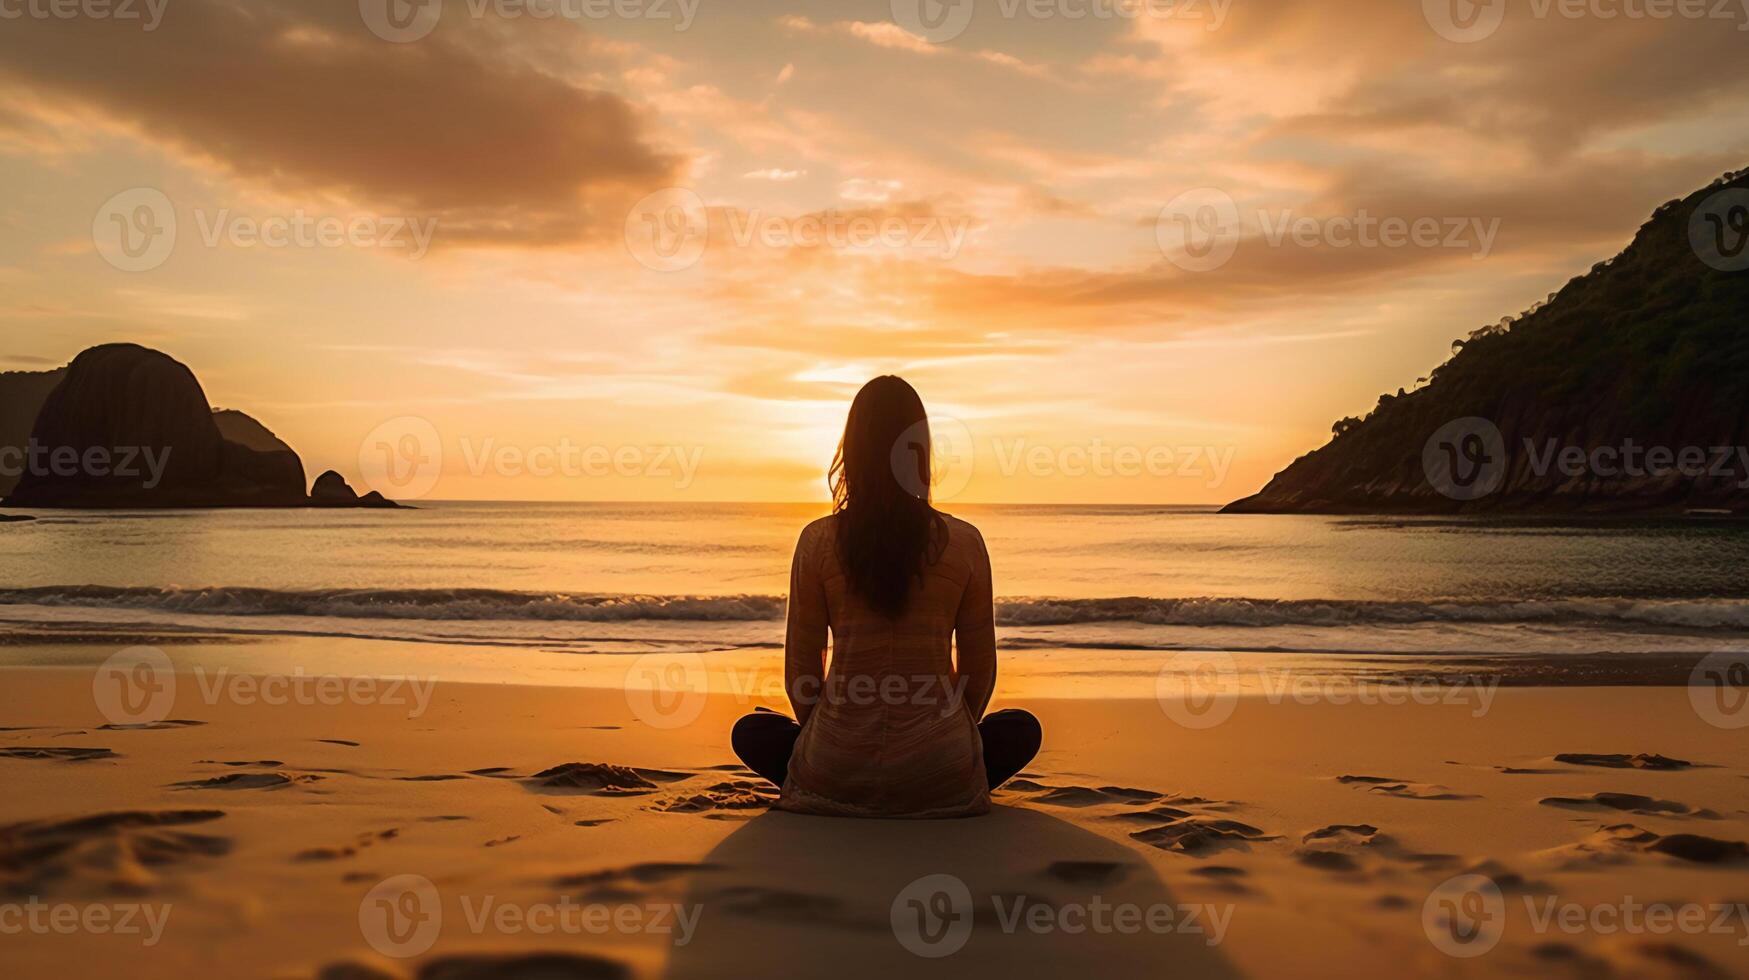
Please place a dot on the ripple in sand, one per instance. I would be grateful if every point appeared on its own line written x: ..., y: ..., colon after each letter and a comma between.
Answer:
x: 153, y: 726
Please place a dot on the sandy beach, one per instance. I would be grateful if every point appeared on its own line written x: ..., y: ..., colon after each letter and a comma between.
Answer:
x: 293, y: 820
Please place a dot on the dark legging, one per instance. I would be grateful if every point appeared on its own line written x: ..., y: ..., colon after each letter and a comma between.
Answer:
x: 765, y: 739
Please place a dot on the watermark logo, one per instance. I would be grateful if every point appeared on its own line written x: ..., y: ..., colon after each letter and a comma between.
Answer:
x: 1198, y: 689
x: 400, y: 21
x: 135, y: 686
x: 135, y: 230
x: 1465, y: 458
x: 1198, y: 230
x: 1465, y: 916
x: 935, y: 21
x: 401, y: 458
x: 1718, y: 689
x: 668, y: 229
x: 667, y: 690
x: 1718, y: 230
x: 932, y: 916
x: 952, y: 458
x: 401, y: 916
x: 1464, y: 21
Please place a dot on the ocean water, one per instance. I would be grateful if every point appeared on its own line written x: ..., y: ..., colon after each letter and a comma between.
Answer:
x: 627, y: 577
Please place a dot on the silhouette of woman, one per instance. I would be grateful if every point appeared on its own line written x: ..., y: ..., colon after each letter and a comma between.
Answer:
x: 895, y: 727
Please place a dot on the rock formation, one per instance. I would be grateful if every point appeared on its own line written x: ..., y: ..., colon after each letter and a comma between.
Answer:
x: 125, y: 426
x: 1623, y: 393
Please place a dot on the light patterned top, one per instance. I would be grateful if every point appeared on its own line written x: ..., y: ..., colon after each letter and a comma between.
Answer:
x: 890, y: 729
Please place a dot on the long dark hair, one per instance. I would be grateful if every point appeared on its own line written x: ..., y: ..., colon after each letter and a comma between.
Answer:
x: 887, y: 530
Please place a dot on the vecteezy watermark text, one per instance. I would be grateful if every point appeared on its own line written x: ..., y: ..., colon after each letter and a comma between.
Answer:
x: 1467, y: 21
x: 1201, y: 229
x: 102, y: 462
x: 940, y: 21
x: 1202, y: 689
x: 669, y: 690
x: 36, y: 917
x: 149, y: 13
x: 136, y: 230
x: 1467, y: 915
x: 574, y: 460
x: 405, y: 21
x: 1467, y: 458
x: 668, y: 230
x: 402, y: 916
x: 138, y: 685
x: 933, y: 917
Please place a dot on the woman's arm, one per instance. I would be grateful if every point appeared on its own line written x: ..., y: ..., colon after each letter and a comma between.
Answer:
x: 804, y: 642
x: 975, y: 635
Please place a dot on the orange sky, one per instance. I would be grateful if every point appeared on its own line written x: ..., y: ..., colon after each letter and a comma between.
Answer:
x: 650, y: 255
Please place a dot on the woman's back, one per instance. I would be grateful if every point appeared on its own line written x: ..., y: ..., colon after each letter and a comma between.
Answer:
x: 893, y: 728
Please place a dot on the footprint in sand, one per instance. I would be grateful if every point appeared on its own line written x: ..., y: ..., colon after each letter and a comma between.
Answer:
x: 1351, y: 847
x: 344, y: 851
x: 1405, y: 789
x: 1223, y: 878
x: 492, y: 966
x: 1082, y: 796
x: 1641, y: 761
x: 1089, y: 872
x: 735, y: 795
x: 249, y: 780
x: 628, y: 884
x: 1201, y: 835
x: 62, y: 753
x: 115, y: 852
x: 778, y: 904
x: 603, y: 779
x: 1630, y: 802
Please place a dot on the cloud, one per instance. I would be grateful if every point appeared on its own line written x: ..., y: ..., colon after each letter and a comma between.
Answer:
x: 471, y: 125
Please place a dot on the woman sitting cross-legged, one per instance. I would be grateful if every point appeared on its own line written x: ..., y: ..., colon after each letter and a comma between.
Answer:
x: 894, y: 727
